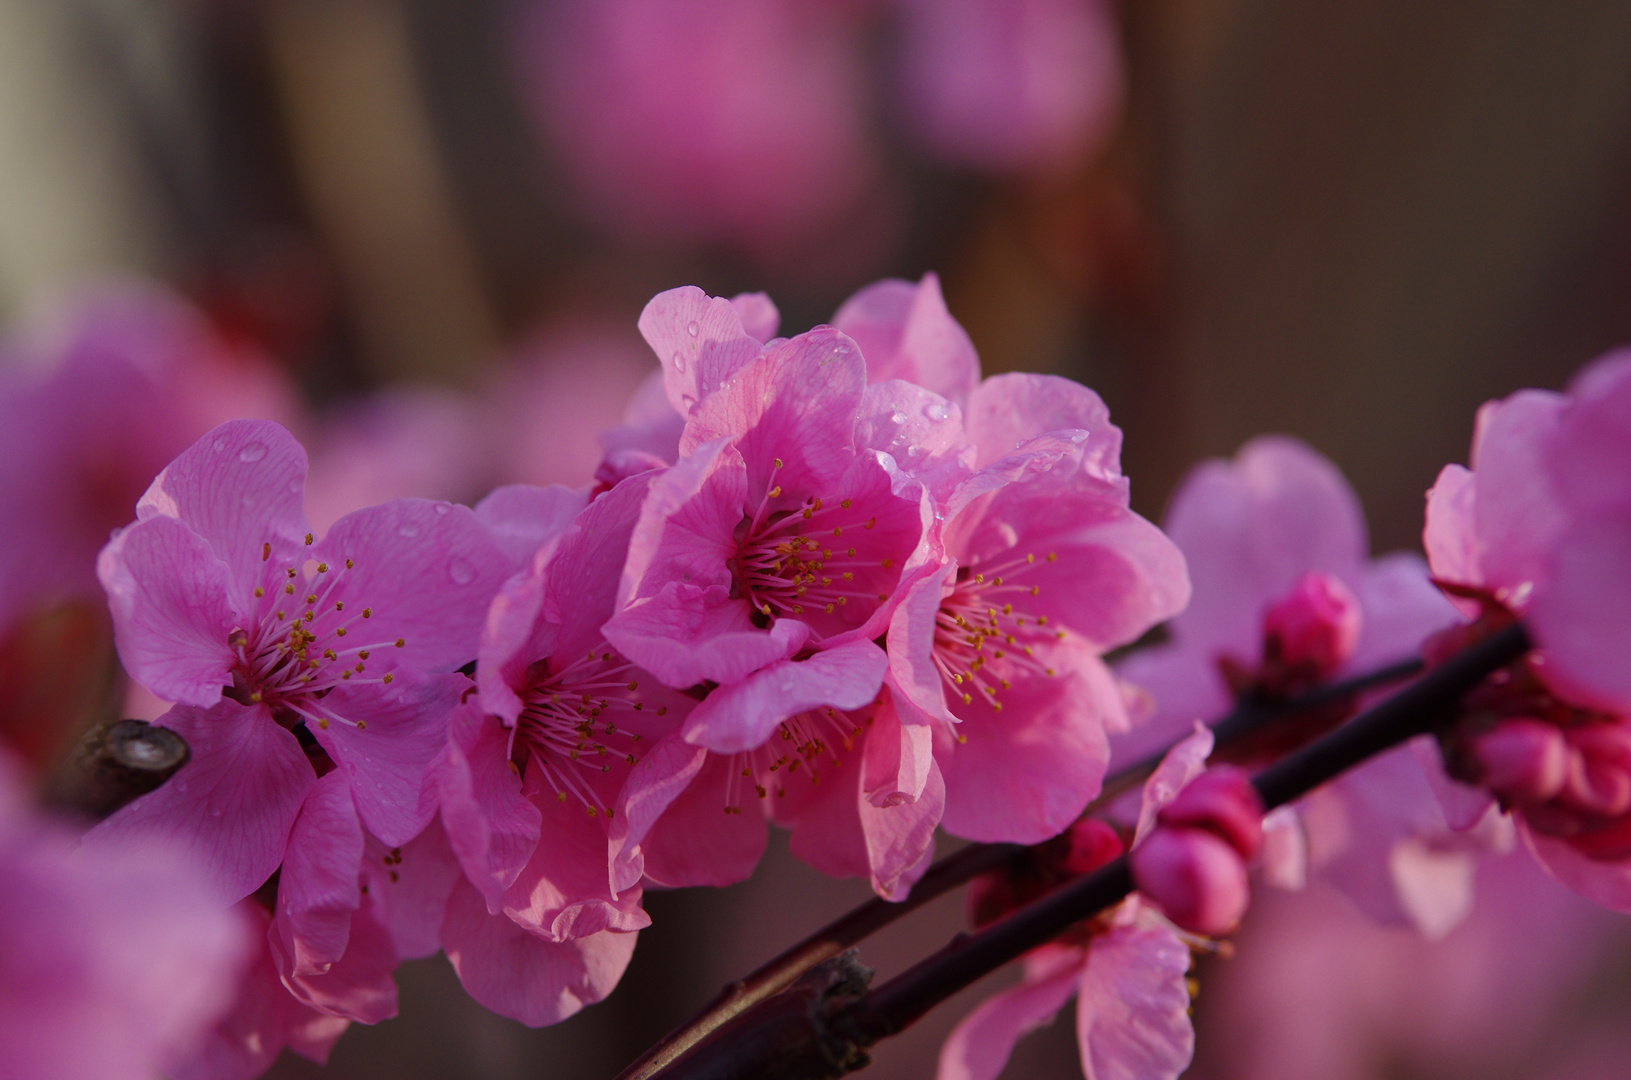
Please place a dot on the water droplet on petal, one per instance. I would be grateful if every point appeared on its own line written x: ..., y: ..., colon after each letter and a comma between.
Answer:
x: 936, y: 411
x: 679, y: 361
x: 897, y: 417
x: 461, y: 571
x: 218, y: 445
x: 252, y: 452
x: 442, y: 508
x: 408, y: 529
x: 692, y: 329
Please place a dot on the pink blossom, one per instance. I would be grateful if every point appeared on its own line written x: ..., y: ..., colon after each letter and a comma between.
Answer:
x: 1193, y: 865
x: 115, y: 963
x: 905, y: 332
x: 1278, y: 533
x: 736, y: 121
x: 106, y: 392
x: 1010, y: 85
x: 289, y: 656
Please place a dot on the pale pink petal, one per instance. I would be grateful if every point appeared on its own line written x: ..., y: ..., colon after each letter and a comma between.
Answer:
x: 906, y: 332
x: 384, y: 741
x: 514, y: 636
x: 521, y: 518
x: 1285, y: 850
x: 912, y: 671
x: 1401, y: 609
x: 650, y: 432
x: 584, y: 573
x: 1023, y: 774
x: 239, y: 487
x: 1464, y: 806
x: 524, y: 977
x: 1184, y: 686
x: 1006, y: 411
x: 565, y: 891
x: 1451, y: 533
x: 359, y: 986
x: 898, y: 759
x: 172, y: 616
x: 318, y: 883
x: 408, y: 887
x: 1593, y: 441
x: 980, y: 1044
x: 1582, y: 618
x: 758, y: 313
x: 231, y: 806
x: 743, y: 715
x: 900, y: 835
x: 1518, y: 512
x: 490, y: 825
x: 921, y: 430
x: 1132, y: 1012
x: 1183, y: 763
x: 700, y: 341
x: 693, y: 840
x: 426, y: 570
x: 1607, y: 884
x: 1250, y: 528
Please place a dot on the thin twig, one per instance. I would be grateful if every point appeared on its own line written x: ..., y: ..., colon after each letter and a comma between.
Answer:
x: 1248, y: 717
x: 831, y: 1038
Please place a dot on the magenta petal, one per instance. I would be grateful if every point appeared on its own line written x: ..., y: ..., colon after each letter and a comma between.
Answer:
x: 521, y: 518
x: 240, y: 486
x: 524, y: 977
x: 583, y: 576
x: 1132, y: 1012
x: 1451, y: 534
x: 1183, y: 763
x: 408, y: 887
x: 491, y: 826
x: 1518, y: 510
x: 359, y: 986
x: 921, y: 430
x: 232, y: 805
x: 426, y: 570
x: 318, y: 885
x: 694, y: 841
x: 1582, y: 617
x: 1184, y: 685
x: 913, y: 674
x: 1607, y: 884
x: 1006, y: 411
x: 744, y: 715
x: 1025, y: 773
x: 760, y: 319
x: 385, y: 741
x: 980, y: 1045
x: 900, y: 836
x: 665, y: 772
x: 906, y: 332
x: 168, y: 593
x: 1401, y: 607
x: 514, y: 637
x: 700, y: 341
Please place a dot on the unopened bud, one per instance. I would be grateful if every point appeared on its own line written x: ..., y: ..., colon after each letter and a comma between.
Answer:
x: 1222, y: 801
x: 1092, y: 844
x: 1599, y: 774
x: 1196, y: 878
x: 1523, y: 760
x: 1315, y: 628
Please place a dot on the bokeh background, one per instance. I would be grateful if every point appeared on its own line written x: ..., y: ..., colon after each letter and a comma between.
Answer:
x: 429, y: 225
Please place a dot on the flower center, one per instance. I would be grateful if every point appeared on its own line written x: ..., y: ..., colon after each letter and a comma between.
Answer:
x: 568, y: 725
x: 803, y: 746
x: 984, y: 638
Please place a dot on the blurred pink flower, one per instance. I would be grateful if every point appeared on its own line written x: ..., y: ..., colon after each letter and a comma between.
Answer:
x: 1253, y: 530
x: 102, y: 395
x: 1010, y: 85
x: 115, y: 964
x: 739, y: 121
x: 206, y: 591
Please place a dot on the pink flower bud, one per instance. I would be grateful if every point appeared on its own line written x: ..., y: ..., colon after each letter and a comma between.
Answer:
x: 1197, y: 879
x: 1223, y: 802
x: 1599, y: 774
x: 1523, y: 760
x: 1315, y: 627
x: 1092, y: 844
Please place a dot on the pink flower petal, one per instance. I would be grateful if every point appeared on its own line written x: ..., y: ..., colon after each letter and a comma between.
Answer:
x: 1607, y: 884
x: 980, y: 1045
x: 673, y: 808
x: 1451, y: 533
x: 234, y: 802
x: 905, y: 332
x: 758, y: 313
x: 565, y: 891
x: 521, y: 518
x: 490, y: 825
x: 318, y: 884
x: 1132, y: 1012
x: 1582, y: 618
x: 700, y: 341
x: 1006, y: 411
x: 1517, y: 510
x: 744, y: 715
x: 524, y: 977
x: 359, y: 986
x: 1183, y: 763
x: 408, y: 887
x: 172, y: 618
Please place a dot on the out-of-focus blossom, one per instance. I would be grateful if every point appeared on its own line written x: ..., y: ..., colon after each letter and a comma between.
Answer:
x: 1276, y: 547
x: 100, y: 398
x: 1126, y: 967
x: 224, y: 602
x: 115, y: 963
x: 1010, y: 85
x: 702, y: 120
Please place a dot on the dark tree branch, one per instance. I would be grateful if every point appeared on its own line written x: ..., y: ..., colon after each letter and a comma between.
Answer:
x: 1249, y: 717
x: 833, y: 1040
x: 115, y: 763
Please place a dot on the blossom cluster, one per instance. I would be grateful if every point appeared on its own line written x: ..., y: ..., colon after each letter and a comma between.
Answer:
x: 841, y: 584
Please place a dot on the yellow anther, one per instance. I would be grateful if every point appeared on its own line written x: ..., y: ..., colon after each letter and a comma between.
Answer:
x: 815, y: 504
x: 368, y: 613
x: 1053, y: 557
x: 289, y: 589
x: 322, y: 568
x: 387, y: 679
x: 255, y: 698
x: 308, y: 539
x: 1030, y: 558
x: 349, y: 564
x: 362, y: 725
x: 311, y: 598
x: 322, y: 722
x: 808, y: 513
x: 850, y: 553
x: 662, y: 710
x: 775, y: 492
x: 979, y: 579
x: 968, y: 699
x: 339, y: 605
x: 339, y: 631
x: 266, y: 551
x: 830, y: 608
x: 1007, y: 609
x: 634, y: 686
x: 259, y: 591
x: 887, y: 563
x: 871, y: 521
x: 838, y: 530
x: 1041, y: 620
x: 778, y: 463
x: 345, y: 674
x: 1036, y: 590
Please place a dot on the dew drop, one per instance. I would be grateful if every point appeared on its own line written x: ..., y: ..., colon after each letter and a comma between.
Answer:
x: 442, y: 508
x: 461, y: 571
x: 679, y: 361
x: 692, y: 329
x: 408, y: 529
x: 897, y: 417
x: 218, y: 445
x: 936, y: 411
x: 252, y: 452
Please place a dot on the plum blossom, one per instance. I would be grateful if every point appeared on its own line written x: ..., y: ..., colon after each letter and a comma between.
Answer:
x: 1286, y: 599
x: 287, y: 656
x: 1193, y: 863
x: 1535, y: 528
x: 116, y: 962
x: 1125, y: 967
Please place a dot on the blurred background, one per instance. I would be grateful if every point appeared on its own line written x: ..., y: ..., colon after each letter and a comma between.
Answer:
x: 420, y: 232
